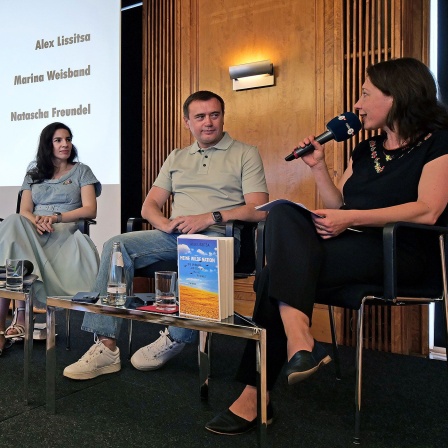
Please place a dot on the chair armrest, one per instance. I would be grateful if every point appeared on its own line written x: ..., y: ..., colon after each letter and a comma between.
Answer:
x: 260, y: 262
x: 134, y: 224
x: 390, y: 252
x: 230, y: 226
x: 84, y: 225
x: 246, y: 263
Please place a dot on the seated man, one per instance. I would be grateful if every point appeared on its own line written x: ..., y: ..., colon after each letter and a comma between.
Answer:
x: 214, y: 180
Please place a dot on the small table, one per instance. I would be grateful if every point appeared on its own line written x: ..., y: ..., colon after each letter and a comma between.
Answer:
x: 235, y: 325
x: 24, y: 296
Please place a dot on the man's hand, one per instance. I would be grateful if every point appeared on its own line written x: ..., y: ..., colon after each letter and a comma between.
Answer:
x: 193, y: 223
x: 168, y: 226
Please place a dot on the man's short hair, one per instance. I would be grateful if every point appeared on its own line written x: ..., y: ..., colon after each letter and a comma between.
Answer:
x: 201, y: 95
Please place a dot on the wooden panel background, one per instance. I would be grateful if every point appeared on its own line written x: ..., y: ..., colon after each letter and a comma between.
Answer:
x: 231, y: 33
x: 319, y: 49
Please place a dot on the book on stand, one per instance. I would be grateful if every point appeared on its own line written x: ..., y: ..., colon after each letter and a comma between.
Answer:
x: 205, y: 276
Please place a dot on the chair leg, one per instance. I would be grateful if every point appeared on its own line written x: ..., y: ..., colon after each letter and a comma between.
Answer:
x: 67, y: 329
x: 445, y: 290
x: 334, y: 343
x: 204, y: 363
x: 358, y: 385
x: 445, y: 302
x: 130, y: 339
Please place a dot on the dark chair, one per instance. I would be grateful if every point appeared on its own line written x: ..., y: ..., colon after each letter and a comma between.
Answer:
x: 356, y: 296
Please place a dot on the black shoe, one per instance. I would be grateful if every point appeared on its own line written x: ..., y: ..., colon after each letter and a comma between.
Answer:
x: 303, y: 363
x: 230, y: 424
x: 8, y: 344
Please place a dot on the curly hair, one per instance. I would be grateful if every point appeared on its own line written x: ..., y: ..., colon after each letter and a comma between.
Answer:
x: 42, y: 167
x: 415, y: 109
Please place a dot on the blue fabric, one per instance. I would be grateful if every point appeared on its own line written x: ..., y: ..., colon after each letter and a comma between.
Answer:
x: 63, y: 194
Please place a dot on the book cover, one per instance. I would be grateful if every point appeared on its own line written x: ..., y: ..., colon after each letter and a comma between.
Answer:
x: 205, y: 276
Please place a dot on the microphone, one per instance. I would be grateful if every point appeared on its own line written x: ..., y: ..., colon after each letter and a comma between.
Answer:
x: 340, y: 128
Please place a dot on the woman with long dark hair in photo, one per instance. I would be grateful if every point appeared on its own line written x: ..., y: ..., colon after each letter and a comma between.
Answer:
x: 57, y: 191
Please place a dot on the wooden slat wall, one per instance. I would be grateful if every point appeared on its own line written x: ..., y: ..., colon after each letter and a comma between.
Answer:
x: 320, y: 50
x: 368, y: 29
x: 161, y: 115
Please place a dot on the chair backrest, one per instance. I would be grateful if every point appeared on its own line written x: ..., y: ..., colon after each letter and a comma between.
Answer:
x: 247, y: 261
x: 19, y: 200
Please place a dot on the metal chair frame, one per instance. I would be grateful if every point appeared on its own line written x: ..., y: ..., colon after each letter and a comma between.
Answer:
x: 390, y: 294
